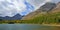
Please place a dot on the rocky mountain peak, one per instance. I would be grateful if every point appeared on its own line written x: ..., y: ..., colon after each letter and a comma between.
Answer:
x: 44, y: 8
x: 47, y: 7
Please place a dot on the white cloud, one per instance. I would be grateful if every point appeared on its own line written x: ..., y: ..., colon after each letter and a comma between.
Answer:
x: 48, y: 0
x: 10, y: 8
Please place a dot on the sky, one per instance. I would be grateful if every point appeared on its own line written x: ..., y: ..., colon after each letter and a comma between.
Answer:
x: 23, y: 7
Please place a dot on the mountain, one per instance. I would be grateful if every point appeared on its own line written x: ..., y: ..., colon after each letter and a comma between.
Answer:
x: 57, y: 9
x: 16, y: 17
x: 46, y: 9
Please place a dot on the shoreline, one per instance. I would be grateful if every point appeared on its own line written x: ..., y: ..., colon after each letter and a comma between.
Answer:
x: 51, y: 24
x: 35, y: 24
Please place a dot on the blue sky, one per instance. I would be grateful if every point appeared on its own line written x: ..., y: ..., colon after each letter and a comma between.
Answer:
x: 23, y: 7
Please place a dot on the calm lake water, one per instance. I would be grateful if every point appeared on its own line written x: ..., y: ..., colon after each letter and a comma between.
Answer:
x: 27, y: 27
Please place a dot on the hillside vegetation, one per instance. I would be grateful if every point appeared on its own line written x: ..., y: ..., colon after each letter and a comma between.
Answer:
x: 40, y: 19
x: 50, y: 15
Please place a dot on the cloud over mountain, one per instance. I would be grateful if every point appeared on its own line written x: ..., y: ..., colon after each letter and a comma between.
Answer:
x: 23, y: 7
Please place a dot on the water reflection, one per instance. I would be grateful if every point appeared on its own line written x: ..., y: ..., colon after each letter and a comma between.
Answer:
x: 27, y: 27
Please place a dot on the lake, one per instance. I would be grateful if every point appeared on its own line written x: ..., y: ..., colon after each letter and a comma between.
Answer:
x: 27, y: 27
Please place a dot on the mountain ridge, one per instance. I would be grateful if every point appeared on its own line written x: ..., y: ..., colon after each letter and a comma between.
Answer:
x: 53, y: 7
x: 16, y: 17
